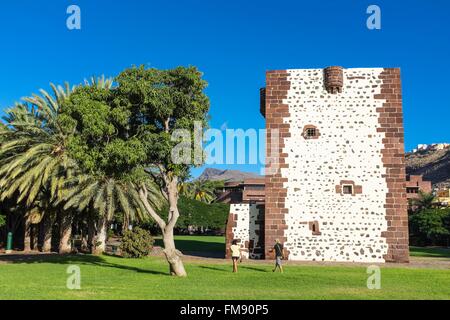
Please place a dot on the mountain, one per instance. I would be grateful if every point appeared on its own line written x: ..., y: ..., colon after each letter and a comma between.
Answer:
x: 432, y: 163
x: 226, y: 175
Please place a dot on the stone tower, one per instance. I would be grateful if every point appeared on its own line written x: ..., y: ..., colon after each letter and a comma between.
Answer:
x: 335, y: 184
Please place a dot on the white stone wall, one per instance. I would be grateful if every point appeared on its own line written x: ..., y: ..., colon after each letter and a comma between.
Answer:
x: 349, y: 148
x: 246, y: 227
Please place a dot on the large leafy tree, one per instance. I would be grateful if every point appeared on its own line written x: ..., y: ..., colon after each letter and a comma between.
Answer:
x: 109, y: 159
x: 125, y: 135
x: 162, y: 102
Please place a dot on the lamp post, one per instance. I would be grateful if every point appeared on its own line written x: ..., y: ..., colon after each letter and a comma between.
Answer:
x: 9, y: 243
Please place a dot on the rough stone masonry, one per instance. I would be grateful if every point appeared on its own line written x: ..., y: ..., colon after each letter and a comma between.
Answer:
x: 338, y: 189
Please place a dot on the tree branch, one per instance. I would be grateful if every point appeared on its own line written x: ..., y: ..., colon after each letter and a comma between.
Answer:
x: 166, y: 125
x: 161, y: 188
x: 143, y: 194
x: 174, y: 214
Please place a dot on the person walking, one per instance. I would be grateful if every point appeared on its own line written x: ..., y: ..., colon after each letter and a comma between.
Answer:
x: 236, y: 255
x: 279, y: 256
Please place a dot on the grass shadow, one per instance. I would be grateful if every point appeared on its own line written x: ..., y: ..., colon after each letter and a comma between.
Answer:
x: 430, y: 252
x: 214, y: 268
x: 71, y: 259
x: 197, y: 248
x: 254, y: 269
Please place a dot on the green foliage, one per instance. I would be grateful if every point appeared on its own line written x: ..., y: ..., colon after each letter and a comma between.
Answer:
x: 34, y: 164
x: 102, y: 147
x: 110, y: 157
x: 2, y: 220
x: 425, y: 201
x: 122, y: 133
x: 110, y: 233
x: 161, y: 101
x: 32, y: 157
x: 430, y: 227
x: 200, y: 214
x: 201, y: 190
x: 136, y: 243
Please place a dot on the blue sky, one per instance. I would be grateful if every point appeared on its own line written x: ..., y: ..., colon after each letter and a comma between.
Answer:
x: 233, y: 43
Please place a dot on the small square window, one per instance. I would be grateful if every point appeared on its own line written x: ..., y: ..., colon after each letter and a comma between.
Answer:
x: 311, y: 132
x: 348, y: 189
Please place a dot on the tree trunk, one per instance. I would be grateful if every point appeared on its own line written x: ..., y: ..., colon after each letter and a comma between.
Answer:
x: 102, y: 232
x: 45, y: 233
x: 34, y: 237
x: 27, y: 236
x: 91, y: 235
x: 65, y: 245
x: 173, y: 256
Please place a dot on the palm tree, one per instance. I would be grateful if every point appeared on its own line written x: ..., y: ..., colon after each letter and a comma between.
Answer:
x: 104, y: 196
x: 34, y: 162
x: 36, y: 167
x: 425, y: 201
x: 200, y: 190
x: 33, y: 157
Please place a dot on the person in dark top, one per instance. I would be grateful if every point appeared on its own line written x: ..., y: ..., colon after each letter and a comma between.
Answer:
x: 278, y: 248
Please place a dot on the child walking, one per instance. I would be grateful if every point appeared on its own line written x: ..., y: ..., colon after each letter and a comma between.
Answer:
x: 236, y: 255
x: 278, y: 255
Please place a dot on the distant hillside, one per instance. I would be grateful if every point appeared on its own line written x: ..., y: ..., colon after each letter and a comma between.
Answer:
x: 226, y: 175
x: 434, y: 165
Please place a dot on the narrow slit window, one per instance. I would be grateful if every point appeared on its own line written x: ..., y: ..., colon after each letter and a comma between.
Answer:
x: 314, y: 227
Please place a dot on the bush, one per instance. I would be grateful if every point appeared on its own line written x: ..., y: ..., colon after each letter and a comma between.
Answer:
x: 136, y: 243
x: 430, y: 227
x: 2, y: 220
x: 111, y: 233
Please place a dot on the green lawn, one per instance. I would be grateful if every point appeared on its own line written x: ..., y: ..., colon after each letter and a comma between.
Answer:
x: 106, y: 277
x: 431, y: 252
x: 116, y: 278
x: 197, y: 243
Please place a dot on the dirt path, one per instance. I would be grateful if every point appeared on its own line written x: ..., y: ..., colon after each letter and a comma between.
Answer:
x: 415, y: 262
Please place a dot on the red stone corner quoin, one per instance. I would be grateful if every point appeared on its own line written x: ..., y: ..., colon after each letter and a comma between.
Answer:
x: 393, y: 156
x: 277, y: 87
x: 390, y: 120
